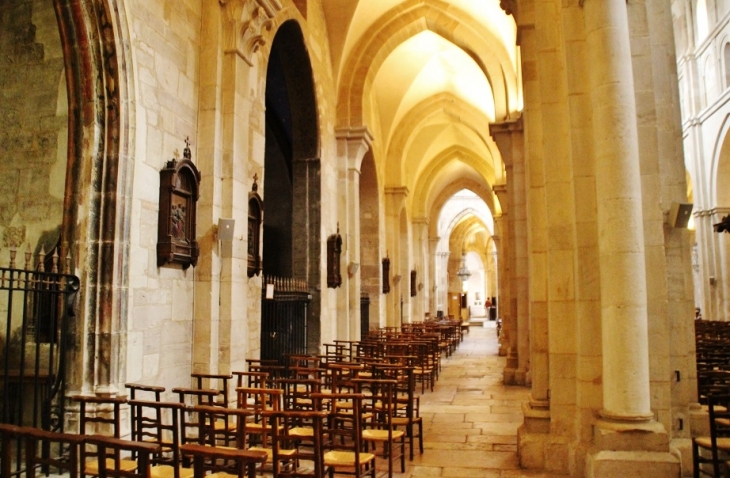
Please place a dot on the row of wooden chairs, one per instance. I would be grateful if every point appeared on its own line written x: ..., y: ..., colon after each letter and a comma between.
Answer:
x: 711, y: 452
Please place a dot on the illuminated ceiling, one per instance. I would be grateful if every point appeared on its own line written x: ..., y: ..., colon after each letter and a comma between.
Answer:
x: 427, y: 77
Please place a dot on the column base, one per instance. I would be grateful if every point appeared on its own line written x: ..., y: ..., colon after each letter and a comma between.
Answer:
x: 636, y: 449
x: 510, y: 369
x: 520, y: 377
x: 532, y: 437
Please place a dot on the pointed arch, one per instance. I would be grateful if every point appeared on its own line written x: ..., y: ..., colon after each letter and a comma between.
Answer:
x: 407, y: 20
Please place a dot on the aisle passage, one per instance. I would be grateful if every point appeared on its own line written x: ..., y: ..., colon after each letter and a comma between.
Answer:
x: 471, y: 419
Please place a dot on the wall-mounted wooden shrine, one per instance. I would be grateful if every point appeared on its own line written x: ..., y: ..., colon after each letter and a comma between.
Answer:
x: 255, y: 218
x: 334, y: 248
x: 176, y: 228
x: 386, y: 275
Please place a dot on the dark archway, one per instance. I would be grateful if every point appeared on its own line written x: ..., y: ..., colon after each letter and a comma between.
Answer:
x: 292, y: 190
x: 370, y: 255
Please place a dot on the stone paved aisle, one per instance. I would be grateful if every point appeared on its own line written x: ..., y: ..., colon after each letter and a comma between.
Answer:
x: 471, y: 419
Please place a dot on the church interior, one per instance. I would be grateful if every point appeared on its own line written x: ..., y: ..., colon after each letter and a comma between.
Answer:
x: 211, y: 184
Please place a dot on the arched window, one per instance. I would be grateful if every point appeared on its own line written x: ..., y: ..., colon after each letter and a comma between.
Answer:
x: 726, y: 58
x: 701, y: 24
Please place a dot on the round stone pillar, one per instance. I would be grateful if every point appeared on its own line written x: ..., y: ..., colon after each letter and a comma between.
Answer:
x: 626, y: 394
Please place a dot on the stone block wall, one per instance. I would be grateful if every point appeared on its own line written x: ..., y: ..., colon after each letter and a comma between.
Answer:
x: 33, y: 122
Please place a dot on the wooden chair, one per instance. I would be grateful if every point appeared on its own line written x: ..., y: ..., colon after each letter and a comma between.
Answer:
x: 196, y: 396
x: 718, y: 442
x: 46, y: 449
x: 138, y: 388
x: 217, y: 459
x: 99, y: 415
x: 289, y: 448
x: 251, y: 379
x: 342, y: 442
x: 159, y: 422
x: 257, y: 401
x: 379, y: 405
x: 9, y: 434
x: 214, y: 381
x: 109, y: 453
x: 200, y: 426
x: 407, y: 409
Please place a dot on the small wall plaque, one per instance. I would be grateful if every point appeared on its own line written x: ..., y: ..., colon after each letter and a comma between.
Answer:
x: 176, y: 228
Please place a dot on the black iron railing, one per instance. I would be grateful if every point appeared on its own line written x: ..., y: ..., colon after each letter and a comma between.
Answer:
x: 284, y: 304
x: 38, y: 307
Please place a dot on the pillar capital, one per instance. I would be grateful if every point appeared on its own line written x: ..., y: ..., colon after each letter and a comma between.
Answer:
x: 353, y: 143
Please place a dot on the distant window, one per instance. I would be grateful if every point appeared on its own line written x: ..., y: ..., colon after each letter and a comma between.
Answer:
x: 726, y: 57
x: 701, y: 25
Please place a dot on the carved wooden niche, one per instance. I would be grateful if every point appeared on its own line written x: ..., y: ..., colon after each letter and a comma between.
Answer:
x: 255, y: 218
x: 334, y: 247
x: 176, y: 227
x: 386, y: 275
x: 413, y: 283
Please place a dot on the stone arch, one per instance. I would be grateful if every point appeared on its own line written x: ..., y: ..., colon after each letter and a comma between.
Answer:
x: 292, y: 187
x: 718, y: 194
x: 441, y: 104
x: 405, y: 21
x: 424, y: 193
x: 99, y: 175
x: 448, y: 191
x: 370, y: 254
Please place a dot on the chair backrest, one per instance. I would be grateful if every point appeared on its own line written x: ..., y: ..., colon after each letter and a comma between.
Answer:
x: 297, y: 392
x: 215, y: 381
x: 9, y: 435
x: 217, y: 459
x: 100, y: 415
x: 47, y: 449
x: 109, y: 452
x: 378, y: 404
x: 284, y: 437
x: 719, y: 411
x: 215, y: 426
x: 342, y: 428
x: 159, y: 422
x: 196, y: 396
x: 251, y: 379
x: 136, y: 388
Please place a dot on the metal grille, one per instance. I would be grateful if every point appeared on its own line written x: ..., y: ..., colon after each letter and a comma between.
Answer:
x: 364, y: 314
x: 284, y: 305
x: 39, y: 308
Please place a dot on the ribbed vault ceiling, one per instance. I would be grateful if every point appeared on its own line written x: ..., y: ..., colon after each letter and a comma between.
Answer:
x: 427, y: 77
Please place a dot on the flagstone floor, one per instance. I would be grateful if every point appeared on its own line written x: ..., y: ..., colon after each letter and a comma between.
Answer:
x: 471, y: 419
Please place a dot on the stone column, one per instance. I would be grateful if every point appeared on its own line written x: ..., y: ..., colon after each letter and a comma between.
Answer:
x: 352, y: 145
x: 419, y: 303
x: 621, y: 238
x: 509, y: 139
x: 505, y: 301
x: 435, y: 270
x: 395, y: 198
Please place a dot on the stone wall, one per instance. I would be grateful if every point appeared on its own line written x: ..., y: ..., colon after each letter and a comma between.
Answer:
x: 33, y: 122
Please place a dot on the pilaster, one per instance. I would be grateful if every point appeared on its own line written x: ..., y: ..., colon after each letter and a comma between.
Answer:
x: 352, y: 145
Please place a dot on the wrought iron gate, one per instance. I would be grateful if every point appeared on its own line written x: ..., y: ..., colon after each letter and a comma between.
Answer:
x: 364, y: 314
x: 39, y: 308
x: 284, y: 304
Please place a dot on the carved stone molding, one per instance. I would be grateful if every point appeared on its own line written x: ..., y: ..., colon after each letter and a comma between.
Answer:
x: 248, y: 23
x: 509, y: 7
